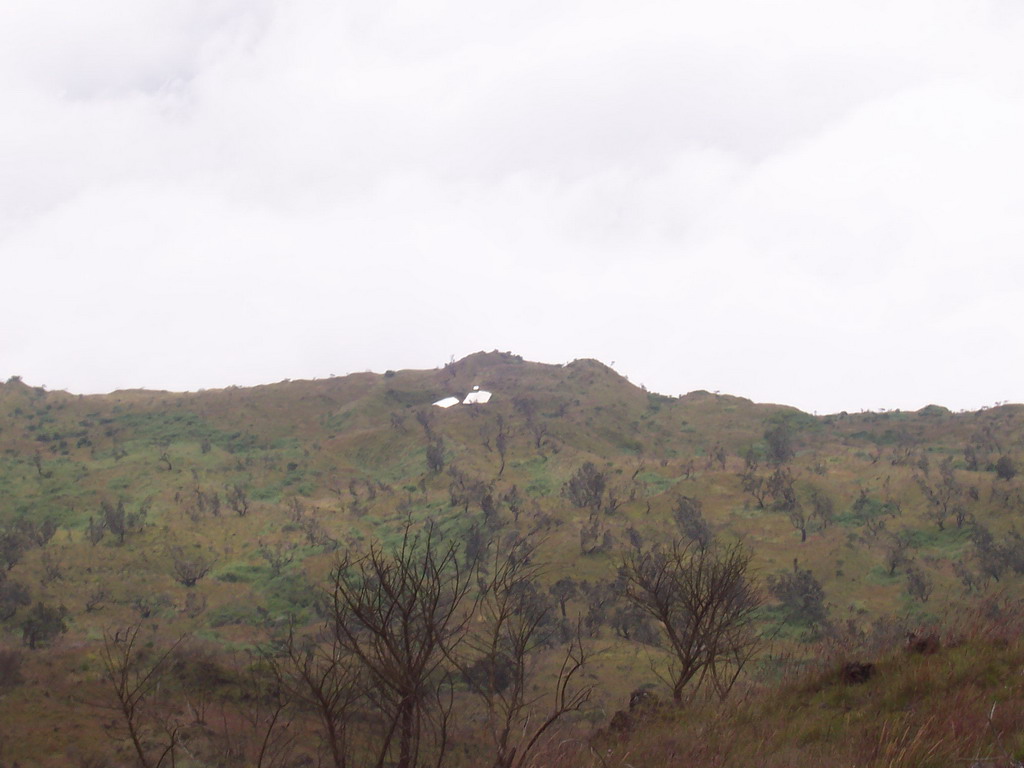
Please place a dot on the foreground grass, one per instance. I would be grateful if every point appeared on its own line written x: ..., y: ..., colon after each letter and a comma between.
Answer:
x: 962, y: 705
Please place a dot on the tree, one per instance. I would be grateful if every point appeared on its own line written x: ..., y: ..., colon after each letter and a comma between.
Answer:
x: 600, y: 596
x: 782, y: 490
x: 946, y: 497
x: 514, y: 501
x: 237, y: 499
x: 10, y: 668
x: 971, y: 458
x: 42, y: 624
x: 401, y: 614
x: 435, y: 455
x: 189, y: 567
x: 822, y: 507
x: 751, y: 481
x: 755, y: 485
x: 94, y: 532
x: 801, y: 595
x: 501, y: 442
x: 117, y: 520
x: 919, y: 583
x: 114, y: 519
x: 690, y: 520
x: 896, y: 552
x: 631, y: 623
x: 515, y: 621
x: 705, y: 600
x: 564, y: 590
x: 989, y: 555
x: 595, y: 537
x: 278, y: 556
x: 12, y: 546
x: 318, y: 672
x: 1006, y: 468
x: 799, y: 519
x: 13, y: 595
x: 585, y: 489
x: 135, y: 679
x: 779, y: 441
x: 38, y: 533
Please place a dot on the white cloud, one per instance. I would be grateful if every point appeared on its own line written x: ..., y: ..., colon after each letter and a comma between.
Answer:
x: 801, y: 202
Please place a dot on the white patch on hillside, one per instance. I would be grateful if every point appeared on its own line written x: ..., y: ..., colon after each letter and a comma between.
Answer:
x: 477, y: 397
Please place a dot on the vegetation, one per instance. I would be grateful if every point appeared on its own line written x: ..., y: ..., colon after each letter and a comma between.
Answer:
x: 577, y: 573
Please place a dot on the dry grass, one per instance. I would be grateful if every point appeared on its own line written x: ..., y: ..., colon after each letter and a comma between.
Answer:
x: 364, y: 429
x: 963, y: 705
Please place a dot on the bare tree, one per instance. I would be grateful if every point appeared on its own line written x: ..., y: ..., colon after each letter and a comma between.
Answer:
x: 53, y: 569
x: 751, y: 481
x: 800, y: 519
x: 971, y: 458
x: 118, y: 520
x: 38, y: 533
x: 115, y: 519
x: 919, y: 583
x: 782, y: 489
x: 278, y: 555
x: 705, y: 601
x: 238, y: 499
x: 516, y: 621
x: 401, y: 614
x: 539, y: 430
x: 94, y: 531
x: 189, y: 567
x: 255, y: 723
x: 134, y: 677
x: 823, y: 509
x: 95, y: 600
x: 896, y: 552
x: 318, y: 672
x: 501, y: 441
x: 946, y: 497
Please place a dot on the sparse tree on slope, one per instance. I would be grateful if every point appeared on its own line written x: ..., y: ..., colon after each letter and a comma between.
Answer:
x: 705, y: 600
x: 400, y: 615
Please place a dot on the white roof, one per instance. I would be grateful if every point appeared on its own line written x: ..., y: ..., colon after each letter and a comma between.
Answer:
x: 477, y: 396
x: 447, y: 402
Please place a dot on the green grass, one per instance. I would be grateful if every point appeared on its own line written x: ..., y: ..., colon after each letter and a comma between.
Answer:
x: 311, y: 440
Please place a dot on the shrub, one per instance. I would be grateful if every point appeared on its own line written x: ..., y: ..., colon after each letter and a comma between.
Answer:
x: 1006, y: 469
x: 43, y: 624
x: 10, y: 668
x: 801, y: 595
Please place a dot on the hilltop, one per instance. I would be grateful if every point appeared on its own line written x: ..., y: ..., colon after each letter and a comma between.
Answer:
x: 220, y: 515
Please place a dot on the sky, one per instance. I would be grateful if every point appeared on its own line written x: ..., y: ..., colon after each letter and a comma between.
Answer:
x: 816, y: 204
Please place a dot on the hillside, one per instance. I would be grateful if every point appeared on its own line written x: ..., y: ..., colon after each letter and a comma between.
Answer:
x: 220, y: 517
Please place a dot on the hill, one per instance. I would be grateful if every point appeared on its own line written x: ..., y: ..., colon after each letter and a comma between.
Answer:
x: 222, y: 516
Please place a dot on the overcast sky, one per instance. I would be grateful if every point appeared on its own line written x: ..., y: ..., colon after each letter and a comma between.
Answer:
x: 805, y: 202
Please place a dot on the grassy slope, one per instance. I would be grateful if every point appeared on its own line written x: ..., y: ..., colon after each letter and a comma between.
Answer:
x: 350, y: 453
x: 962, y: 705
